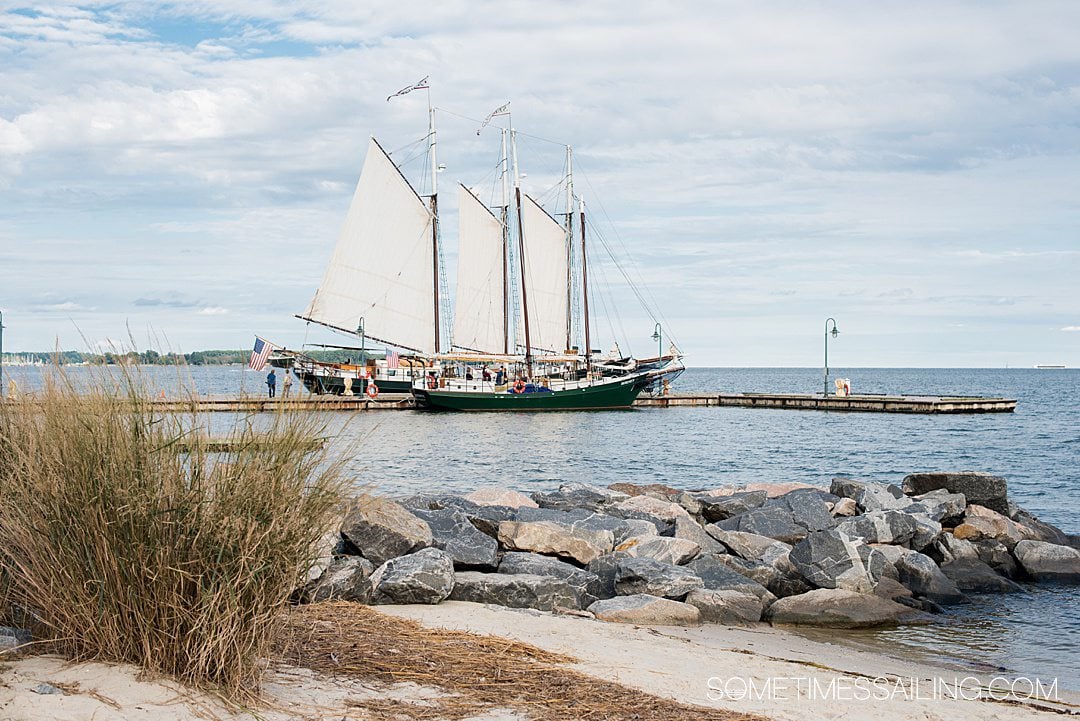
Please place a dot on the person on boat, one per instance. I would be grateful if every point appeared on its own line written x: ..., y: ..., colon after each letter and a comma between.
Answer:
x: 468, y: 374
x: 431, y: 382
x: 500, y: 376
x: 486, y: 375
x: 271, y: 383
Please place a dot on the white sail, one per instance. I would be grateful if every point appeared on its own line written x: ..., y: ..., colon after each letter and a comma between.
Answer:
x: 479, y: 314
x: 545, y: 277
x: 382, y: 269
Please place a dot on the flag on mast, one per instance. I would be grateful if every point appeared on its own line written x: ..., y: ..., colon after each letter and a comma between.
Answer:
x: 501, y: 110
x: 422, y: 85
x: 393, y: 360
x: 260, y: 354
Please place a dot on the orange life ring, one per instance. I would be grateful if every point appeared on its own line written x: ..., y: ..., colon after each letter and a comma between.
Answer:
x: 519, y: 386
x: 372, y: 391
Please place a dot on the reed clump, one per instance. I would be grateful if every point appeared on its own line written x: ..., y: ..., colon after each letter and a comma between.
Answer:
x: 124, y: 536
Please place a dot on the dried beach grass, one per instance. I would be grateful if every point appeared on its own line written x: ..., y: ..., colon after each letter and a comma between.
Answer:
x: 478, y: 673
x: 125, y: 537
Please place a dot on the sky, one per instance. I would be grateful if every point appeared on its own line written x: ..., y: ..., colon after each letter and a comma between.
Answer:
x: 175, y: 175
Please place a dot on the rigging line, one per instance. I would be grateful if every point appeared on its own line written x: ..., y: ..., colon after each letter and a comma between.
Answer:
x: 612, y: 316
x: 654, y: 307
x: 633, y: 286
x: 649, y: 305
x: 518, y: 132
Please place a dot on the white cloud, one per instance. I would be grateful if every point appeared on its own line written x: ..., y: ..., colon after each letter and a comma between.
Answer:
x: 1071, y: 329
x: 213, y: 310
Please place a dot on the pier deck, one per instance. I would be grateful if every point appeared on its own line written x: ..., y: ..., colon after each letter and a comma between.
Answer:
x: 857, y: 403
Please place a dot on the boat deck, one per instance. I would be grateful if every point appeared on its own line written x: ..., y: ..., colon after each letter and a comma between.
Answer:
x: 865, y: 403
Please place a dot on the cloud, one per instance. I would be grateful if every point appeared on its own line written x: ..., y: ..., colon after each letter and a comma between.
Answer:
x: 213, y: 310
x: 1071, y: 329
x: 169, y: 300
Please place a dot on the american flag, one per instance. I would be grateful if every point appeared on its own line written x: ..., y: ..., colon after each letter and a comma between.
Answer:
x: 260, y: 354
x: 393, y: 360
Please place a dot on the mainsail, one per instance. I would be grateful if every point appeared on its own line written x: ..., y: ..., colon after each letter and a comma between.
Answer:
x: 381, y: 269
x: 479, y: 314
x: 545, y: 270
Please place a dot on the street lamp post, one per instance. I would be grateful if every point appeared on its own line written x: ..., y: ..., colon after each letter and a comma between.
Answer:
x: 835, y: 333
x: 658, y: 336
x: 360, y: 332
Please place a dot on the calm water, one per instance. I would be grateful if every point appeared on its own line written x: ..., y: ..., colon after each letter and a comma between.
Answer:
x: 1037, y: 449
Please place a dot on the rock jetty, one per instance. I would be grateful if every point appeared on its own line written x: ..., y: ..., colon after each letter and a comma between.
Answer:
x: 855, y: 556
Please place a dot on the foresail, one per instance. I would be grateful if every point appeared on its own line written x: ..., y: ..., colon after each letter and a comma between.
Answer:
x: 479, y: 314
x: 382, y: 267
x: 545, y: 278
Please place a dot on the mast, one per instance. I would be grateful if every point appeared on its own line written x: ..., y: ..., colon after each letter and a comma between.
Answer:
x: 435, y: 218
x: 521, y: 254
x: 585, y: 284
x: 569, y: 246
x: 506, y: 246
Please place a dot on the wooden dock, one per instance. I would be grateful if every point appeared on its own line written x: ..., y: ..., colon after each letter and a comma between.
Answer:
x: 866, y: 403
x: 857, y: 403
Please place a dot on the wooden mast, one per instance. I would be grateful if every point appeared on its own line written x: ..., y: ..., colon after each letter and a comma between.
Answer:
x: 506, y: 247
x: 585, y: 286
x: 435, y: 219
x: 521, y: 255
x: 569, y: 247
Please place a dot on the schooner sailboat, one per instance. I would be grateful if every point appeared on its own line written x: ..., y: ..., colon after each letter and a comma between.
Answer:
x: 514, y: 307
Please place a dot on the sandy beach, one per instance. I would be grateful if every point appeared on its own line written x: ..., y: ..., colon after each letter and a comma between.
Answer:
x: 715, y: 667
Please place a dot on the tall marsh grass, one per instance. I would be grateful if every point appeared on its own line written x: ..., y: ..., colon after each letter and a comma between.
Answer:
x: 123, y: 537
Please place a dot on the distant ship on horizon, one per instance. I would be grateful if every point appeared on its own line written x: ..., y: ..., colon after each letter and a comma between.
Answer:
x: 1050, y: 367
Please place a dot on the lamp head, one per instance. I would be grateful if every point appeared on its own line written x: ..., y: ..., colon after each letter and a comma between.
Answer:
x: 656, y: 335
x: 835, y: 332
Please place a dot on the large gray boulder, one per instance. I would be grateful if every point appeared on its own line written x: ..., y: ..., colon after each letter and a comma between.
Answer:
x: 717, y: 576
x: 499, y: 497
x: 454, y: 533
x: 579, y: 518
x: 380, y: 529
x: 996, y: 555
x: 839, y: 608
x: 718, y: 507
x: 809, y: 508
x: 1040, y: 530
x: 660, y: 513
x: 750, y: 546
x: 776, y: 522
x: 579, y: 544
x: 485, y: 516
x: 675, y: 551
x: 870, y: 496
x: 918, y: 572
x: 348, y: 578
x: 646, y: 576
x: 426, y: 576
x: 1048, y: 561
x: 691, y: 530
x: 570, y: 496
x: 731, y: 608
x: 982, y: 489
x: 941, y: 505
x: 645, y: 610
x: 586, y: 585
x: 972, y: 575
x: 832, y: 559
x: 880, y: 527
x: 515, y: 590
x: 927, y: 530
x: 606, y: 570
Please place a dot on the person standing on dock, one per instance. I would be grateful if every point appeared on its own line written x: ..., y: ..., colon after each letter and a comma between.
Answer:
x: 286, y: 385
x: 271, y: 383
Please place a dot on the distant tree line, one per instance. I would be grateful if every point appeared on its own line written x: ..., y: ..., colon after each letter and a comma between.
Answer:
x: 152, y: 357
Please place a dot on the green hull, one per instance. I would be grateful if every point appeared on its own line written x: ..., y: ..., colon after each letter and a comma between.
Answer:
x: 608, y: 395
